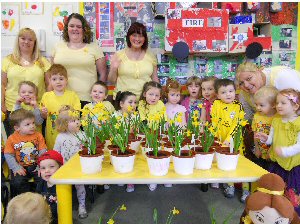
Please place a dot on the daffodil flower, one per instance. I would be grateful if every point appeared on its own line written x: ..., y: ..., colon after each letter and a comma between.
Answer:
x: 123, y: 208
x: 110, y: 221
x: 175, y: 211
x: 243, y: 123
x: 188, y: 133
x: 200, y: 105
x: 129, y: 108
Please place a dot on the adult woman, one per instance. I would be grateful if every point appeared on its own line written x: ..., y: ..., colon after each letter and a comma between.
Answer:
x: 250, y: 79
x: 24, y: 64
x: 80, y: 57
x: 133, y: 66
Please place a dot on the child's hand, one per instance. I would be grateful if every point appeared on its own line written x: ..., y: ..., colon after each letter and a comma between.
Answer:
x: 115, y: 62
x: 278, y: 151
x: 44, y: 112
x: 261, y: 136
x: 21, y: 172
x: 19, y: 100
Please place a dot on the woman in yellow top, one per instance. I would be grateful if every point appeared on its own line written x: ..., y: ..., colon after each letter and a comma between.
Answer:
x: 24, y: 64
x: 133, y: 66
x: 82, y: 58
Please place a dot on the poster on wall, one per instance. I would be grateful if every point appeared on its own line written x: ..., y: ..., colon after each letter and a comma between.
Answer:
x: 105, y: 23
x: 32, y: 8
x: 10, y: 20
x: 60, y: 13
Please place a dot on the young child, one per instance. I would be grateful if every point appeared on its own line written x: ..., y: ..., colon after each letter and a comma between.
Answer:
x: 67, y: 144
x: 49, y: 163
x: 284, y: 138
x: 22, y: 150
x: 191, y: 102
x: 209, y: 95
x: 225, y: 113
x: 265, y: 102
x: 126, y: 102
x: 28, y: 208
x: 28, y: 100
x: 52, y: 101
x: 172, y: 93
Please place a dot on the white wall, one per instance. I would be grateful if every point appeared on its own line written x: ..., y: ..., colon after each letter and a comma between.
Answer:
x: 35, y: 22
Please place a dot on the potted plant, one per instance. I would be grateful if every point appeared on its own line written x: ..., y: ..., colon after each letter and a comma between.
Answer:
x: 193, y: 128
x: 134, y: 124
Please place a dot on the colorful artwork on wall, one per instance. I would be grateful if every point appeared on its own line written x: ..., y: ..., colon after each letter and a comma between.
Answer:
x: 60, y: 13
x: 105, y: 23
x: 32, y: 8
x: 9, y: 20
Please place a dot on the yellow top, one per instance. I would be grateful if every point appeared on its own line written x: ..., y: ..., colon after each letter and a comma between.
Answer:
x: 146, y: 110
x: 285, y: 134
x: 132, y: 75
x: 109, y: 107
x: 16, y: 74
x: 53, y: 103
x: 81, y: 66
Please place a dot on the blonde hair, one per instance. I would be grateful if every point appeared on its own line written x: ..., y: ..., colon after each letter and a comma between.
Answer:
x: 267, y: 92
x: 66, y: 114
x: 58, y: 69
x: 28, y: 208
x: 246, y: 67
x: 36, y: 54
x: 29, y: 83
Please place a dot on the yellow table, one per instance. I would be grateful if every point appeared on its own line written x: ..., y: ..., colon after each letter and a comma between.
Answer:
x: 70, y: 174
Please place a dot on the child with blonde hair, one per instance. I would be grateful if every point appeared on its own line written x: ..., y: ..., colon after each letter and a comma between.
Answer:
x: 284, y: 138
x: 67, y: 143
x: 52, y: 101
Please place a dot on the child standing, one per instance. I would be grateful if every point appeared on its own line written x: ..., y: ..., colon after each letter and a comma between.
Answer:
x: 209, y: 95
x: 49, y: 163
x: 67, y: 143
x: 191, y: 102
x: 265, y: 103
x: 285, y: 139
x: 225, y: 113
x: 28, y: 100
x: 172, y: 93
x: 22, y: 150
x: 52, y: 101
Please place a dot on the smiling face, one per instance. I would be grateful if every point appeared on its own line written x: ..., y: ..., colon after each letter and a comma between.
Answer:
x: 284, y: 106
x: 26, y: 127
x: 47, y: 168
x: 27, y: 92
x: 226, y: 93
x: 136, y: 40
x: 194, y: 90
x: 75, y: 31
x: 173, y: 96
x: 58, y: 82
x: 152, y: 95
x: 26, y: 43
x: 250, y: 81
x: 98, y: 93
x: 208, y: 90
x: 267, y: 215
x: 129, y: 101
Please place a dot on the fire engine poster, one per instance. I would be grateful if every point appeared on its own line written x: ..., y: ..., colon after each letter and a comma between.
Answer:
x: 105, y: 23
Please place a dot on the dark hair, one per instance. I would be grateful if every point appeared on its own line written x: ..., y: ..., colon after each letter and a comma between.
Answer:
x: 148, y: 86
x: 138, y: 28
x: 121, y: 97
x: 87, y: 33
x: 100, y: 83
x: 17, y: 116
x: 223, y: 82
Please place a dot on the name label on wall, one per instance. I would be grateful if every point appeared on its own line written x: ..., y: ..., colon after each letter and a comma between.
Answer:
x: 192, y: 22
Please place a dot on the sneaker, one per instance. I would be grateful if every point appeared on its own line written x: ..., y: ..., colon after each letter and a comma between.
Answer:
x: 215, y: 185
x: 168, y: 185
x: 204, y: 187
x: 245, y: 194
x: 229, y: 192
x: 152, y: 187
x: 106, y: 186
x: 130, y: 188
x: 82, y: 214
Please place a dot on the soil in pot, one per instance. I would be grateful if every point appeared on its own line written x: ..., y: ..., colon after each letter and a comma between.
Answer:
x: 84, y: 152
x: 160, y: 154
x: 127, y: 152
x: 185, y: 153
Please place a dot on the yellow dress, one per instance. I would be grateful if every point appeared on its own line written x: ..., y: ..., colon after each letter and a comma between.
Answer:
x: 53, y: 103
x: 147, y: 111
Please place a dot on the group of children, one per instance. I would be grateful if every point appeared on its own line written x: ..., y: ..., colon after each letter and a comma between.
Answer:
x: 276, y: 122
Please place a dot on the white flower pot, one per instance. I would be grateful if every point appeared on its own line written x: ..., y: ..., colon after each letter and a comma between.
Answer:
x: 135, y: 145
x: 159, y: 166
x: 184, y: 165
x: 123, y: 163
x: 203, y: 161
x: 91, y: 164
x: 226, y: 161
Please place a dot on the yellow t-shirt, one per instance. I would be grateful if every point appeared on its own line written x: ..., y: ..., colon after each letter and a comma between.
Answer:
x: 53, y: 103
x: 146, y: 110
x: 132, y: 75
x: 285, y: 134
x: 16, y: 74
x: 81, y: 66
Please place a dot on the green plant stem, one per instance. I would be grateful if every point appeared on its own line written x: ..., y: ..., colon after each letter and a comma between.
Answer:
x: 115, y: 212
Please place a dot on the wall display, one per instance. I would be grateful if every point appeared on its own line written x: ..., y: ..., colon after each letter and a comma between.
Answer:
x: 89, y: 12
x: 288, y: 14
x: 284, y: 37
x: 60, y: 13
x: 10, y: 20
x: 105, y: 23
x: 32, y: 8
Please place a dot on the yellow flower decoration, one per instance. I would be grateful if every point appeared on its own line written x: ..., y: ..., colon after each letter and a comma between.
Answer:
x: 178, y: 118
x: 188, y: 133
x: 110, y: 221
x: 129, y: 109
x: 196, y: 123
x: 200, y: 105
x: 135, y: 113
x: 125, y: 115
x: 117, y: 125
x: 175, y: 211
x: 85, y: 111
x: 206, y: 124
x: 241, y: 115
x: 84, y: 123
x: 243, y: 123
x: 73, y: 113
x: 123, y: 208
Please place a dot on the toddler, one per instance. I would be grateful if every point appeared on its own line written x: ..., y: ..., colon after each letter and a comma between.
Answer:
x: 284, y: 138
x: 68, y: 143
x: 225, y: 113
x: 22, y: 150
x: 265, y: 103
x: 209, y: 95
x: 52, y: 101
x: 49, y: 163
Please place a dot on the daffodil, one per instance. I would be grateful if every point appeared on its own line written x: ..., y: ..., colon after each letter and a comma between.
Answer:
x: 178, y: 118
x: 200, y: 105
x: 243, y: 123
x: 84, y: 123
x: 175, y: 211
x: 110, y: 221
x: 188, y: 133
x: 123, y: 208
x: 129, y: 108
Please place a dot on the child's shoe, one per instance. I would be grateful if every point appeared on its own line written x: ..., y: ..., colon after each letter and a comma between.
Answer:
x: 130, y: 188
x: 245, y: 194
x: 106, y: 186
x: 229, y: 192
x: 152, y: 187
x: 168, y: 185
x: 204, y: 187
x: 215, y: 185
x: 82, y: 214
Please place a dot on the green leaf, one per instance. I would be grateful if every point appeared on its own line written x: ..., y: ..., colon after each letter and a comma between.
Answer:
x: 100, y: 220
x: 155, y: 215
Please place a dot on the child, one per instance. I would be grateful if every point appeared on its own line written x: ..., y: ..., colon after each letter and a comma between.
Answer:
x: 52, y: 101
x: 149, y: 105
x: 172, y: 93
x: 265, y: 102
x: 285, y: 139
x: 126, y: 103
x: 22, y: 150
x: 225, y: 113
x: 27, y: 99
x: 191, y: 103
x: 68, y: 144
x: 49, y: 163
x: 28, y: 208
x: 209, y: 95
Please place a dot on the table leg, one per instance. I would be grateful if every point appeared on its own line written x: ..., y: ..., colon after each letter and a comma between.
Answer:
x: 64, y: 203
x: 253, y: 186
